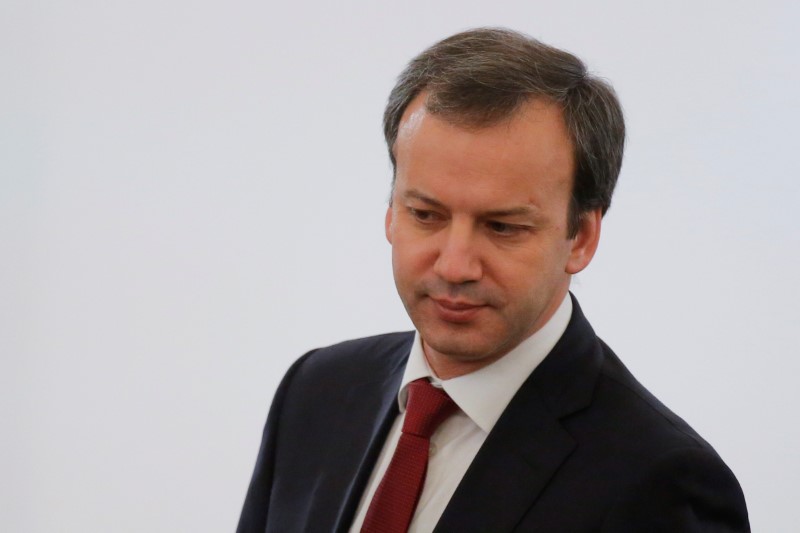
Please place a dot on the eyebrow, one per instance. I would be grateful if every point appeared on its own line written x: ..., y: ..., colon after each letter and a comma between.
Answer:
x: 510, y: 212
x: 416, y: 195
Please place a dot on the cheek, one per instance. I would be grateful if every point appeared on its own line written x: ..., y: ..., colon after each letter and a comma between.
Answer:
x: 517, y: 279
x: 528, y: 273
x: 405, y: 261
x: 410, y: 252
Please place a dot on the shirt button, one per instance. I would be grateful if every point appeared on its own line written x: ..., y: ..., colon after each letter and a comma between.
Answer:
x: 432, y: 450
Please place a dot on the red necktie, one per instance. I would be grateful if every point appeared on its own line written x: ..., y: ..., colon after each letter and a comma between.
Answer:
x: 393, y: 504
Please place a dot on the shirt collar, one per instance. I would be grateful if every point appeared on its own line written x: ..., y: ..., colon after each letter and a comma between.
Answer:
x: 497, y: 382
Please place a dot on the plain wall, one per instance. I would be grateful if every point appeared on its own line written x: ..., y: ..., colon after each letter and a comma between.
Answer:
x: 192, y: 195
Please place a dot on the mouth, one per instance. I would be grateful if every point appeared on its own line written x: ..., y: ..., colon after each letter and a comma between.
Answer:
x: 456, y: 311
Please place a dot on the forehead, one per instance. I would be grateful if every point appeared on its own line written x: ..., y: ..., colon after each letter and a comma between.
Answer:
x: 529, y: 154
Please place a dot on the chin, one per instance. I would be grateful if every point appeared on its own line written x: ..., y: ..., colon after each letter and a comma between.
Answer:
x: 460, y: 343
x: 458, y: 351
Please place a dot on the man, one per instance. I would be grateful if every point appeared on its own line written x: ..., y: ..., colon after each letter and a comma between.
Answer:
x: 505, y: 154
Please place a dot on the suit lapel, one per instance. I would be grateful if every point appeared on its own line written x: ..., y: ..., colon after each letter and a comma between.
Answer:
x: 520, y: 455
x: 528, y: 444
x: 371, y: 408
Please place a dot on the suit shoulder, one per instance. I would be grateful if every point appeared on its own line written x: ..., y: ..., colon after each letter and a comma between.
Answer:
x: 373, y: 355
x: 386, y: 341
x: 651, y: 467
x: 652, y: 421
x: 687, y: 489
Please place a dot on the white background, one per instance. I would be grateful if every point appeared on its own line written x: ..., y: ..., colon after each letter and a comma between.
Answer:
x: 192, y: 196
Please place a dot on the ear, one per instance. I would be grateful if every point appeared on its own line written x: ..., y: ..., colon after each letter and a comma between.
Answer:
x: 388, y: 224
x: 584, y: 244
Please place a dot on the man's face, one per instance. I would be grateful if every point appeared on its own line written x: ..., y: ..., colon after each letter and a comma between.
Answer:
x: 478, y: 227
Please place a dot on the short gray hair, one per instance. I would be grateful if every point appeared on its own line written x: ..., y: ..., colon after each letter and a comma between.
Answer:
x: 480, y: 77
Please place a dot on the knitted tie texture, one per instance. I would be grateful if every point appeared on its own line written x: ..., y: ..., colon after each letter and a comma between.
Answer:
x: 393, y: 504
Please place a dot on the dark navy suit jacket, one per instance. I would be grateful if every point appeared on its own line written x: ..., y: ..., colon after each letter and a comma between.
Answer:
x: 581, y: 447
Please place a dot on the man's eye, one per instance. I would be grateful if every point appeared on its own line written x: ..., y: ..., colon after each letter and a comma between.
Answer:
x: 503, y: 228
x: 422, y: 215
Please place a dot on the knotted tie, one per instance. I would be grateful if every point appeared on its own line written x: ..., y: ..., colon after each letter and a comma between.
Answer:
x: 393, y: 504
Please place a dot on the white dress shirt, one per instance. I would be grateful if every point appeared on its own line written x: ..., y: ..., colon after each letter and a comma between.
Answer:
x: 482, y: 396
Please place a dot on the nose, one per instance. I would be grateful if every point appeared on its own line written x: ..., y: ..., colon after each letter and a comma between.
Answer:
x: 458, y: 260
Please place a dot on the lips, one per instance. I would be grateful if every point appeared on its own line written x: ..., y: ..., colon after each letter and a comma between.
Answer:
x: 456, y: 311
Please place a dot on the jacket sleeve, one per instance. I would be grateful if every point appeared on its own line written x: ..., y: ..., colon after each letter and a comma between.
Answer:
x: 689, y: 490
x: 256, y: 503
